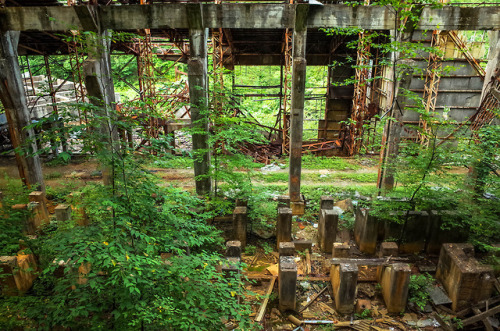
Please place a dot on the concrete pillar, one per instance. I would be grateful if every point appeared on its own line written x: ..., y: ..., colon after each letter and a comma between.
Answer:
x: 394, y: 280
x: 18, y: 274
x: 341, y: 250
x: 326, y: 202
x: 297, y: 100
x: 344, y: 279
x: 283, y: 201
x: 63, y: 212
x: 392, y: 132
x: 287, y: 279
x: 388, y: 248
x: 1, y: 199
x: 230, y: 267
x: 14, y: 102
x: 366, y: 231
x: 240, y: 225
x: 493, y: 65
x: 464, y: 278
x: 284, y: 226
x: 233, y: 249
x: 101, y: 93
x: 286, y: 249
x: 327, y: 228
x: 198, y: 95
x: 39, y: 196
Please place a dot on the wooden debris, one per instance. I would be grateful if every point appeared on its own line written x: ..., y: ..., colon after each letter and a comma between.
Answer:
x: 317, y: 295
x: 273, y: 270
x: 485, y: 321
x: 295, y: 320
x: 441, y: 322
x: 308, y: 262
x: 262, y: 309
x: 481, y: 305
x: 481, y: 316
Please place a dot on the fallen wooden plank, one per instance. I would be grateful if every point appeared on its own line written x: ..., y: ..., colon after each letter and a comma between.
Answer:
x: 317, y: 295
x: 262, y: 309
x: 441, y: 322
x: 481, y: 305
x: 308, y: 262
x: 482, y: 316
x: 486, y: 323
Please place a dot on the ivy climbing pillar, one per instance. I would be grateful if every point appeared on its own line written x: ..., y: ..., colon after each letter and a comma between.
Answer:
x: 297, y: 98
x: 14, y: 101
x: 101, y: 92
x: 198, y: 96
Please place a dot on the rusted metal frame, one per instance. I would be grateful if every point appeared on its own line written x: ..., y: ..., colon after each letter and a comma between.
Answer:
x: 462, y: 46
x: 28, y: 66
x: 76, y: 62
x: 432, y: 80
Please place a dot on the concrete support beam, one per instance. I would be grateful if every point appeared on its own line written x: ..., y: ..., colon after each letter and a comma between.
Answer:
x: 366, y: 231
x: 42, y: 211
x: 326, y: 202
x: 287, y: 279
x: 464, y: 278
x: 344, y: 279
x: 327, y: 228
x: 394, y: 280
x: 15, y: 104
x: 198, y: 94
x: 283, y: 201
x: 284, y: 226
x: 240, y: 225
x: 297, y: 101
x: 286, y: 249
x: 241, y: 15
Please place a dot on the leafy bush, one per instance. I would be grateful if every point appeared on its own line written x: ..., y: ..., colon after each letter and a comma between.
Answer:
x: 418, y: 289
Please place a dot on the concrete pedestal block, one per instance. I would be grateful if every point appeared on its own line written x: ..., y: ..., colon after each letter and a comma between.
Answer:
x: 464, y: 278
x: 344, y: 279
x: 438, y: 236
x: 39, y: 196
x: 287, y: 281
x: 233, y: 249
x: 327, y: 228
x: 388, y: 248
x: 63, y: 213
x: 230, y: 266
x: 326, y: 202
x: 287, y: 249
x: 298, y: 207
x: 415, y: 232
x: 18, y: 274
x: 240, y: 225
x: 366, y: 230
x: 302, y: 245
x: 284, y: 201
x: 395, y: 280
x: 284, y: 226
x: 1, y: 199
x: 241, y: 202
x: 36, y: 217
x: 340, y: 250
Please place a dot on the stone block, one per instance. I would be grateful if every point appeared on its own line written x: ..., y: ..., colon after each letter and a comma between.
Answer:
x: 326, y: 202
x: 440, y: 232
x: 63, y: 212
x: 344, y: 279
x: 233, y: 249
x: 240, y: 225
x: 388, y: 248
x: 287, y: 249
x: 230, y: 266
x: 18, y: 273
x: 394, y: 280
x: 464, y: 278
x: 284, y: 226
x: 284, y: 201
x: 302, y: 245
x: 341, y: 250
x: 366, y: 228
x: 287, y: 283
x: 415, y: 233
x: 298, y: 207
x: 327, y: 228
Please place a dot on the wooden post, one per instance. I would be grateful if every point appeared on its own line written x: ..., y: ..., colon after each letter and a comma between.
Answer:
x: 101, y: 92
x: 198, y: 95
x: 297, y: 100
x: 392, y: 132
x: 15, y: 104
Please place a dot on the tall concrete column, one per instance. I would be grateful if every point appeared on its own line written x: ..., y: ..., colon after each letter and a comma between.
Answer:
x: 198, y: 95
x: 493, y: 66
x: 15, y: 104
x: 392, y: 131
x: 297, y: 100
x: 101, y: 93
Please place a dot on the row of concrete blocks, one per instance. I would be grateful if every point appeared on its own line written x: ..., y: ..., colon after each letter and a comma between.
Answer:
x: 422, y: 231
x: 394, y: 279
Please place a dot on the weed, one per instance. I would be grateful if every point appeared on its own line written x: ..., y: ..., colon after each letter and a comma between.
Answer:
x: 267, y: 248
x: 250, y: 249
x: 53, y: 175
x: 418, y: 289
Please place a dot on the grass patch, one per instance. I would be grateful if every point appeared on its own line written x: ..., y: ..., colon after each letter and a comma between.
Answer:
x: 174, y: 162
x: 53, y: 175
x: 331, y: 163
